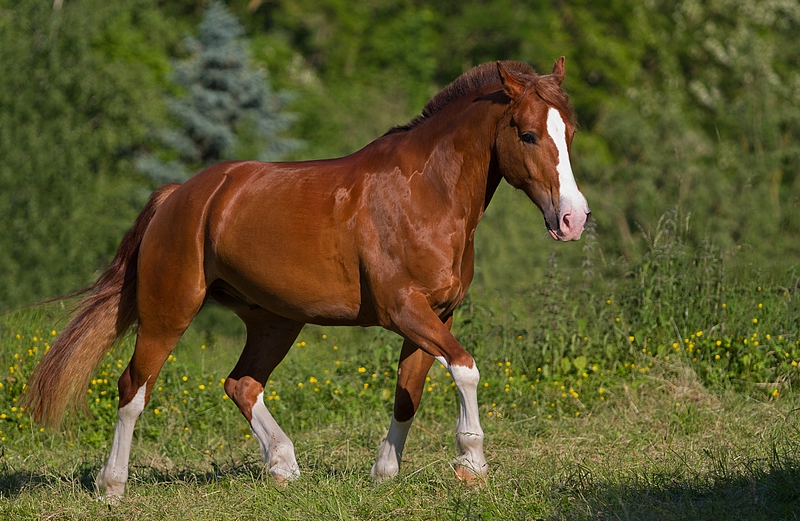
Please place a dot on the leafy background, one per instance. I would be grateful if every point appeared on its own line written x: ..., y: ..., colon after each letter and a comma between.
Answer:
x: 684, y: 106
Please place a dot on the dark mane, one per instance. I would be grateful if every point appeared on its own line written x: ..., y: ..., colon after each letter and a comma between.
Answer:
x: 486, y: 74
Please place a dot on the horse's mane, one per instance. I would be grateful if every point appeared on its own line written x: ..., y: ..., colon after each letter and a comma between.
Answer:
x: 486, y: 74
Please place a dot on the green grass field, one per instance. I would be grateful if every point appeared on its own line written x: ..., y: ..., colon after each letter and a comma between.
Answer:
x: 662, y: 389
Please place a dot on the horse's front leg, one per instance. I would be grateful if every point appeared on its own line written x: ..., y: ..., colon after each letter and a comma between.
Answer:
x: 411, y: 372
x: 417, y: 322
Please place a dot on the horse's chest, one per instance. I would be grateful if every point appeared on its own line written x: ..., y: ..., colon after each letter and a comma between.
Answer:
x: 432, y: 265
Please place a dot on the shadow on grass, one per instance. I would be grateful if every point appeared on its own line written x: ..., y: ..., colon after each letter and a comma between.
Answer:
x: 755, y: 490
x: 14, y: 482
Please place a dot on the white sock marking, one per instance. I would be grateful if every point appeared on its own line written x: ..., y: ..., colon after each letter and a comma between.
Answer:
x: 276, y: 447
x: 390, y: 451
x: 469, y: 435
x: 112, y: 477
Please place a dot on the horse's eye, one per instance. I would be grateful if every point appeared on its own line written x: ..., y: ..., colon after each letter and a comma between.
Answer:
x: 528, y: 137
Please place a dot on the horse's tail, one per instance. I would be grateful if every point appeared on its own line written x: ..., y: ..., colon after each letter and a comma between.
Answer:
x: 105, y: 314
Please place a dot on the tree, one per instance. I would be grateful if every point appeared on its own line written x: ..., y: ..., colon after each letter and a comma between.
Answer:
x: 79, y: 88
x: 228, y: 110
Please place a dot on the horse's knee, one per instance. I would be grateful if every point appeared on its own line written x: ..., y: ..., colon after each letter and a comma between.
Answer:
x: 244, y: 392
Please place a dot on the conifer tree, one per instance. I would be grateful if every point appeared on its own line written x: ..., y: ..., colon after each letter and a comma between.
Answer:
x: 228, y: 111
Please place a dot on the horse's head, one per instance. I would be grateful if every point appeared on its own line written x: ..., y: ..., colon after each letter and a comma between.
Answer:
x: 533, y: 144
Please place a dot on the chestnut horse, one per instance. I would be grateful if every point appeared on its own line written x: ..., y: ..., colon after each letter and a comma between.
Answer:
x: 384, y: 237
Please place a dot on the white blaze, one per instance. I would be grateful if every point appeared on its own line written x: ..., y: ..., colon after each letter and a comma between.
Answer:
x: 571, y: 197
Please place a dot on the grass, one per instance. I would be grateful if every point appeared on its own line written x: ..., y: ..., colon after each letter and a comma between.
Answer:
x: 662, y: 389
x: 722, y: 456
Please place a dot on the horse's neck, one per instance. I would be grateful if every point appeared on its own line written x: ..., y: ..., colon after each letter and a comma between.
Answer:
x: 492, y: 182
x: 459, y: 153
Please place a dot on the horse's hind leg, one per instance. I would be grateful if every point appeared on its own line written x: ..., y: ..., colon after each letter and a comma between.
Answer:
x: 269, y: 338
x: 168, y: 299
x: 411, y: 372
x: 135, y: 385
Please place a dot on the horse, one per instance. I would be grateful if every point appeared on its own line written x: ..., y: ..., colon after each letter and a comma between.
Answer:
x: 382, y: 237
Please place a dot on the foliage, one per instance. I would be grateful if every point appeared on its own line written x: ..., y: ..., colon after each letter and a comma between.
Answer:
x: 707, y: 121
x: 78, y: 89
x: 229, y: 110
x: 681, y: 103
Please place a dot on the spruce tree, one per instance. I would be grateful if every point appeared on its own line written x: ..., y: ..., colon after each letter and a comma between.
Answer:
x: 228, y: 111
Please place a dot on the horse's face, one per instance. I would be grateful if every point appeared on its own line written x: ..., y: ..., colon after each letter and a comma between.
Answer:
x: 533, y: 145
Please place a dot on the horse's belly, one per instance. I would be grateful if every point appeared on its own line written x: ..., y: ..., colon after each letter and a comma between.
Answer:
x: 311, y: 277
x: 304, y: 301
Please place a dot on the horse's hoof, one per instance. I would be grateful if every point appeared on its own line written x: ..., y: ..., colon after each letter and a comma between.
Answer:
x: 108, y: 499
x: 284, y: 477
x: 111, y: 491
x: 383, y: 471
x: 469, y: 475
x: 380, y: 478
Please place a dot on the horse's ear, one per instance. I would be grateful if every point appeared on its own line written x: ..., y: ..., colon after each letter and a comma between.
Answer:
x: 511, y: 85
x: 558, y: 70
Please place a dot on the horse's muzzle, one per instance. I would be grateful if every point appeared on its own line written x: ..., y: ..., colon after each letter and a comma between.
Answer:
x: 571, y: 223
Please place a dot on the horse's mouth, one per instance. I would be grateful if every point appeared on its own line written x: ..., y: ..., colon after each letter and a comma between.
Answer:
x: 559, y: 235
x: 554, y: 232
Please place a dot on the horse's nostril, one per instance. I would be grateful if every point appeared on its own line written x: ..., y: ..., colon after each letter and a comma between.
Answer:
x: 565, y: 220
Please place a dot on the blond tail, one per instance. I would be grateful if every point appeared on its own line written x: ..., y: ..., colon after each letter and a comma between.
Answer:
x: 60, y: 380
